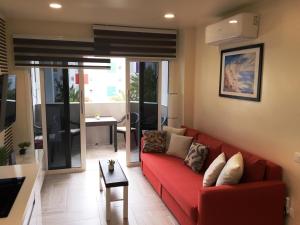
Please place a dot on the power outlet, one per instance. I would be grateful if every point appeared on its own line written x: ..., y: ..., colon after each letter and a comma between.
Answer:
x: 289, y: 210
x: 292, y: 213
x: 297, y: 157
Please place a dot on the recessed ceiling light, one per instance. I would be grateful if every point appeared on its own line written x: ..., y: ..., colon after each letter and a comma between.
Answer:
x: 169, y: 16
x: 55, y: 5
x: 233, y: 21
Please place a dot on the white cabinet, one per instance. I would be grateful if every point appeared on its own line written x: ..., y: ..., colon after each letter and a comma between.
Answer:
x: 30, y: 218
x: 30, y: 212
x: 33, y: 214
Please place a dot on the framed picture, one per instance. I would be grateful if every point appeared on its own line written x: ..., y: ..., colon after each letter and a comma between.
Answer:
x: 241, y: 72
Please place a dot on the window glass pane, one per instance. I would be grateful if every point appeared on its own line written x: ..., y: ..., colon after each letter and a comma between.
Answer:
x: 104, y: 86
x: 36, y: 108
x: 164, y: 92
x: 74, y: 100
x: 55, y: 116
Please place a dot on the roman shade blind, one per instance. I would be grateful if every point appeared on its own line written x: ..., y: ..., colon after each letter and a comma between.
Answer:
x: 3, y: 49
x: 57, y: 53
x: 134, y: 42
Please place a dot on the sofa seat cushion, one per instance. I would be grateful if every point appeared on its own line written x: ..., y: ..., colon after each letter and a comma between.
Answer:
x: 178, y: 179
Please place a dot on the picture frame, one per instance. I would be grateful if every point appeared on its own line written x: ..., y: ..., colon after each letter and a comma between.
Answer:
x: 241, y: 72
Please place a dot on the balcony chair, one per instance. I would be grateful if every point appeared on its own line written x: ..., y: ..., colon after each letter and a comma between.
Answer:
x: 133, y: 126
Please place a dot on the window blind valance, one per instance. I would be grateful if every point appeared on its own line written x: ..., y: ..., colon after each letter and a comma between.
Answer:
x: 3, y: 50
x: 30, y: 52
x: 134, y: 42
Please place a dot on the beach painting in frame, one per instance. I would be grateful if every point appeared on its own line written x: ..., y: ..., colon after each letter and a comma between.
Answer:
x: 241, y: 71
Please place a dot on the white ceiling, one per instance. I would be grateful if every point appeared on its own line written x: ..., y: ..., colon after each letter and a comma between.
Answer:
x: 147, y: 13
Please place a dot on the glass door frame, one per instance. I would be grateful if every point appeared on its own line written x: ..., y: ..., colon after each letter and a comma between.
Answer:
x: 82, y: 125
x: 128, y: 119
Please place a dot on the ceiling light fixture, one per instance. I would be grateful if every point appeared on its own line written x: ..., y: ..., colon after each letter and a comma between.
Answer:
x: 55, y: 5
x: 169, y: 16
x: 233, y: 21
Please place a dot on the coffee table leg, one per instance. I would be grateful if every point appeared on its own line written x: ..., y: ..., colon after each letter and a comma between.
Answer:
x: 100, y: 180
x: 107, y: 204
x: 125, y: 202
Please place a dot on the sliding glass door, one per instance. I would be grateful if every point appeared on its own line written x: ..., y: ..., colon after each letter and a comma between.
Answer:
x: 147, y: 87
x: 63, y: 117
x: 36, y: 108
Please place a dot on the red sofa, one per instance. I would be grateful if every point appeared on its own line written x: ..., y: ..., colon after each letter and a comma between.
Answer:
x: 257, y: 200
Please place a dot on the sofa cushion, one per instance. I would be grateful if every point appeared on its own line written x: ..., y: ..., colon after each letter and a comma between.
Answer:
x: 232, y: 171
x: 177, y: 179
x: 154, y: 141
x: 254, y: 166
x: 170, y: 131
x: 179, y: 145
x: 196, y: 156
x: 191, y: 132
x: 213, y: 171
x: 214, y: 146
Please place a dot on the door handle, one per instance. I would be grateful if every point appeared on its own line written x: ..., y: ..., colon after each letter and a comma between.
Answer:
x: 81, y: 101
x: 128, y: 105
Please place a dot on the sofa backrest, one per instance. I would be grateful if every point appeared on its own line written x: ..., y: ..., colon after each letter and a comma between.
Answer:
x: 191, y: 132
x: 214, y: 146
x: 255, y: 167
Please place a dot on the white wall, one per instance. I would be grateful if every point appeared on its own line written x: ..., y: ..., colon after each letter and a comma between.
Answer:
x: 23, y: 127
x: 270, y: 128
x: 187, y: 69
x: 181, y: 80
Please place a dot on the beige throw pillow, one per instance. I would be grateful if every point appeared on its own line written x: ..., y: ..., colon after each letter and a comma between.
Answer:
x: 179, y: 145
x: 233, y: 170
x: 213, y: 171
x: 170, y: 131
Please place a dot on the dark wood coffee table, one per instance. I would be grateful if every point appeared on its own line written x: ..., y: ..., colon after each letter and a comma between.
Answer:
x: 117, y: 178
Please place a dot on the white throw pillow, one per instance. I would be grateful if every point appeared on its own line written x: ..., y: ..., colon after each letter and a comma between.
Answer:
x: 179, y: 145
x: 172, y: 130
x: 213, y: 171
x: 232, y: 171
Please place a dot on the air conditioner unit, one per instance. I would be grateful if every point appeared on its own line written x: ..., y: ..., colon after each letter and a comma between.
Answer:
x: 241, y: 27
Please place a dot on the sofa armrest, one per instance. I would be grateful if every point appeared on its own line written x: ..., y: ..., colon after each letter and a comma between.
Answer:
x: 257, y: 203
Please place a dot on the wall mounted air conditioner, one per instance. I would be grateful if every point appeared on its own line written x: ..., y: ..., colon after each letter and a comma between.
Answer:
x: 241, y: 27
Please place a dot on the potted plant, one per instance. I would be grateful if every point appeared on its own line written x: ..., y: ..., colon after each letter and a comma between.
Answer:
x: 111, y: 165
x: 23, y: 146
x: 4, y: 155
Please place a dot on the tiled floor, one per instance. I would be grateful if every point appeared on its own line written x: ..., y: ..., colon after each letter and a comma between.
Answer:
x: 75, y: 199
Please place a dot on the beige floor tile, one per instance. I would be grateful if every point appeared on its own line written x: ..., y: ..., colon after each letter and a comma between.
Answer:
x: 75, y: 199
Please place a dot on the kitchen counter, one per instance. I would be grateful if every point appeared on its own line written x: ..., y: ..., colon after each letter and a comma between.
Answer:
x: 27, y: 206
x: 31, y: 156
x: 20, y: 207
